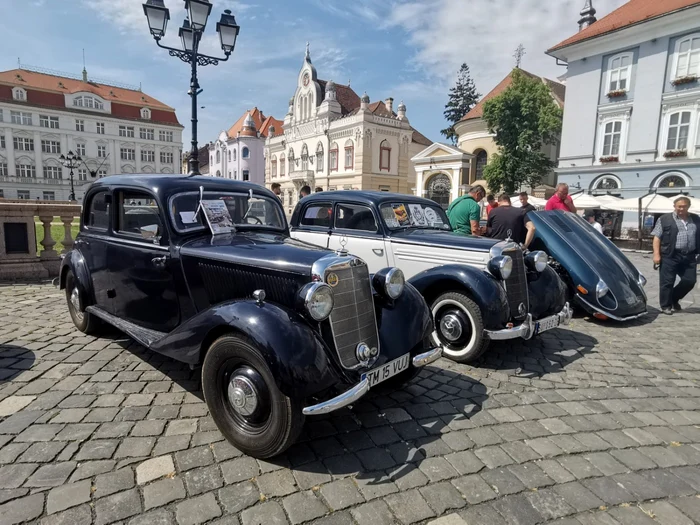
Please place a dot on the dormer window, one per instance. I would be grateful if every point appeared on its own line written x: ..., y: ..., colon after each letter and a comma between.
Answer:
x: 146, y: 113
x: 19, y: 94
x: 88, y: 102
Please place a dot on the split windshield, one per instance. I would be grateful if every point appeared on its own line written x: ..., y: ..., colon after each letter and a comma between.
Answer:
x: 414, y: 215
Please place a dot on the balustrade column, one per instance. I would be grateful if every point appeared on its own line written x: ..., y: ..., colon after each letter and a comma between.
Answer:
x: 47, y: 242
x: 68, y: 233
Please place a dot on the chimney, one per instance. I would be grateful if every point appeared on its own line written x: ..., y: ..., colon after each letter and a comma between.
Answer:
x: 587, y: 16
x: 389, y: 103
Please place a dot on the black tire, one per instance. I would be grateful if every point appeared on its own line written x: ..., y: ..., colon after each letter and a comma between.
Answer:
x: 274, y: 421
x: 462, y: 336
x: 77, y: 302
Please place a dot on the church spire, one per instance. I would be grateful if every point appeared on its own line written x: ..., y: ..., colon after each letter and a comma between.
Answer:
x: 307, y: 57
x: 587, y: 16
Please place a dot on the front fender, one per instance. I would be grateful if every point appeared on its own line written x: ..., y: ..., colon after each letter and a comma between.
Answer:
x: 481, y: 287
x: 75, y: 262
x: 546, y: 292
x: 294, y: 352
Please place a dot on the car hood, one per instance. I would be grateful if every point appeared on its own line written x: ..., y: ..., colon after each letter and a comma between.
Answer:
x: 444, y: 239
x: 258, y: 249
x: 588, y: 256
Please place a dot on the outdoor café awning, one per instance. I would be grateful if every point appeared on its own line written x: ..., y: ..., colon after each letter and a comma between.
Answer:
x: 535, y: 201
x: 583, y: 201
x: 654, y: 203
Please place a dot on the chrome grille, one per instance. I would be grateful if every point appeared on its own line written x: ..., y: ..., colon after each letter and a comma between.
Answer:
x: 516, y: 285
x: 223, y: 283
x: 352, y: 319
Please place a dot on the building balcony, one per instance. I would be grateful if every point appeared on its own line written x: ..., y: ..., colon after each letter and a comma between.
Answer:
x: 301, y: 175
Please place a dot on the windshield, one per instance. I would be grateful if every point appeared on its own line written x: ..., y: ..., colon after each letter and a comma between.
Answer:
x: 244, y: 210
x: 414, y: 215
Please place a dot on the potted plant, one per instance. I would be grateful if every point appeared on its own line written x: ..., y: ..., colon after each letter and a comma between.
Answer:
x: 617, y: 93
x: 608, y: 159
x: 687, y: 79
x: 675, y: 153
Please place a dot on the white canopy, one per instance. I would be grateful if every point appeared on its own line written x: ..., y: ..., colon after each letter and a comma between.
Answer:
x: 608, y: 200
x: 650, y: 204
x: 535, y: 201
x: 585, y: 201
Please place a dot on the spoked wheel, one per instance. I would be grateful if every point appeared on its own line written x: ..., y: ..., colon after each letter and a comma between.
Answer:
x: 459, y: 328
x: 244, y: 400
x: 83, y: 321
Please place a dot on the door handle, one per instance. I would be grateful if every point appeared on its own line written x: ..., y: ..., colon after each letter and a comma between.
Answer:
x: 159, y: 262
x: 378, y: 251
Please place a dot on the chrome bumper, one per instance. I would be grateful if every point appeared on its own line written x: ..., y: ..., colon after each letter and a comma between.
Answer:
x: 350, y: 396
x: 527, y: 329
x: 606, y: 314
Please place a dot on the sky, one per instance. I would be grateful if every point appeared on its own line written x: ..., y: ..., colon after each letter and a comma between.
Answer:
x: 410, y: 50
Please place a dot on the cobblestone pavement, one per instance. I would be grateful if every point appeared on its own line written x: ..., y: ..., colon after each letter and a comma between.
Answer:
x: 594, y: 424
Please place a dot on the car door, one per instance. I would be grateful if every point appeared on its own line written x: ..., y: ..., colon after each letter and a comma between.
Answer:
x: 142, y: 270
x: 355, y: 227
x: 92, y: 244
x: 315, y: 221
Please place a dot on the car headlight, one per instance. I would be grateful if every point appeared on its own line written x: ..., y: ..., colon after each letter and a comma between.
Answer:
x: 389, y: 282
x: 501, y: 266
x: 601, y: 289
x: 642, y: 280
x: 536, y: 261
x: 318, y: 300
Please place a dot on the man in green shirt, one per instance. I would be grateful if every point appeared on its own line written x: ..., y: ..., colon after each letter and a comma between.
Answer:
x: 464, y: 213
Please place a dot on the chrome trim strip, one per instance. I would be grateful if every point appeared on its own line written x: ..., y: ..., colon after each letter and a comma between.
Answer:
x: 343, y: 400
x: 527, y: 329
x: 427, y: 357
x: 120, y: 240
x: 606, y: 314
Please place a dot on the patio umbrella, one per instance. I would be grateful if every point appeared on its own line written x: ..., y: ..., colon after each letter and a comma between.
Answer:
x: 608, y: 200
x: 535, y: 201
x: 653, y: 203
x: 587, y: 202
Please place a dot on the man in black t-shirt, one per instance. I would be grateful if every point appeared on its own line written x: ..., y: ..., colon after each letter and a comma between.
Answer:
x: 524, y: 205
x: 507, y: 222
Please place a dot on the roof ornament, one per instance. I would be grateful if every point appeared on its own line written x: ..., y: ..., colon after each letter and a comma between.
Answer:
x: 307, y: 57
x: 587, y: 16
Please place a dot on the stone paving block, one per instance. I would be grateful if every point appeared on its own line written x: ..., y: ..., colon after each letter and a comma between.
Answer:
x: 236, y: 498
x: 663, y: 456
x: 408, y: 476
x: 117, y: 507
x: 690, y: 475
x: 11, y: 405
x: 198, y: 510
x: 154, y: 468
x: 517, y: 509
x: 373, y: 513
x: 630, y: 515
x: 278, y: 483
x: 493, y: 457
x: 437, y: 469
x: 668, y: 481
x: 502, y: 481
x: 667, y: 514
x: 579, y: 467
x: 409, y: 507
x: 135, y: 447
x: 606, y: 464
x: 181, y: 426
x: 42, y: 452
x: 97, y: 449
x: 76, y: 516
x: 474, y: 489
x: 608, y: 490
x: 89, y: 469
x: 549, y: 504
x: 112, y: 482
x: 303, y: 506
x: 151, y: 427
x: 375, y: 485
x: 67, y: 496
x: 51, y: 475
x: 11, y: 452
x: 169, y: 444
x: 22, y: 509
x: 341, y: 494
x: 239, y: 469
x: 156, y: 517
x: 690, y: 506
x: 578, y: 496
x: 633, y: 459
x: 163, y: 492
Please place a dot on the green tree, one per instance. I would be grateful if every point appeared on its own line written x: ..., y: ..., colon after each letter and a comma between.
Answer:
x: 524, y: 118
x: 462, y: 98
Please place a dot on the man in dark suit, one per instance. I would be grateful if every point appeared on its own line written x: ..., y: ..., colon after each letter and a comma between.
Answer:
x: 676, y: 243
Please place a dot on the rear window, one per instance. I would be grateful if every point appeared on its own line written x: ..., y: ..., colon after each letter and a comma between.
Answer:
x: 98, y: 211
x: 318, y: 215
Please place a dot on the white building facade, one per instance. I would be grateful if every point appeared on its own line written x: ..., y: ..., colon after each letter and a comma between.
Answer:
x: 333, y: 140
x: 113, y: 130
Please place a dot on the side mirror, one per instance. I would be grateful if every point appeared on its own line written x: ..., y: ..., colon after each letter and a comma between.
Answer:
x: 149, y: 232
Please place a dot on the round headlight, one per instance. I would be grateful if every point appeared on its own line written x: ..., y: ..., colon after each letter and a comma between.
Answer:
x: 642, y: 280
x: 501, y: 266
x: 394, y: 283
x: 536, y: 261
x: 318, y: 300
x: 601, y: 289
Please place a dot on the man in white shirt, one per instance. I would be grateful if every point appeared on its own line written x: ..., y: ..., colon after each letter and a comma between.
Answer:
x: 598, y: 227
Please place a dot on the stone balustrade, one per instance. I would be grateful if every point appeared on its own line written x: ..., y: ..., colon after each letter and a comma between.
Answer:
x: 18, y: 238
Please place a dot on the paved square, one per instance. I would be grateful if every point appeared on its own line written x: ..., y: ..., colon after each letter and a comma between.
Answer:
x: 594, y: 423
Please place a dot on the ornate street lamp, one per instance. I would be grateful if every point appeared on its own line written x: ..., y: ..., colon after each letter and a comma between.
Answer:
x: 190, y: 33
x: 71, y: 162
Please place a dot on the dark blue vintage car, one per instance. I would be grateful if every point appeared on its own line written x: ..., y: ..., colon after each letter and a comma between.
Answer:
x: 599, y: 278
x: 282, y: 329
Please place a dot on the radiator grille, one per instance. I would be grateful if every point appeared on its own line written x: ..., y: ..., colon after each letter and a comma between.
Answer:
x: 352, y: 320
x: 516, y: 285
x: 224, y: 283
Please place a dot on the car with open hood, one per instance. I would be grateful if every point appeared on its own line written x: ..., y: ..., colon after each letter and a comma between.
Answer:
x: 599, y: 278
x: 282, y: 329
x: 478, y: 289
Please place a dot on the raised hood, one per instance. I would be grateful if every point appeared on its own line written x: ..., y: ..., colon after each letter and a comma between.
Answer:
x: 260, y: 250
x: 444, y: 239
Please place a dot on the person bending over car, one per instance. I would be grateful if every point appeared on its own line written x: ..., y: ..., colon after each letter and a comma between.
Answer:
x: 506, y: 222
x: 464, y: 213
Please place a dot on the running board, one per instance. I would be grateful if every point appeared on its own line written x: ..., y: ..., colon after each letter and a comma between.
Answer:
x: 143, y: 335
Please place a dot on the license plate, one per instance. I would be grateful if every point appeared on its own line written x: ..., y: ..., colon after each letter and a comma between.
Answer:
x: 546, y: 324
x: 387, y: 370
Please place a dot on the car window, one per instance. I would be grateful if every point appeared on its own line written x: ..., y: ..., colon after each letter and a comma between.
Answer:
x: 138, y: 215
x: 355, y: 217
x: 98, y: 211
x: 317, y: 214
x: 414, y: 215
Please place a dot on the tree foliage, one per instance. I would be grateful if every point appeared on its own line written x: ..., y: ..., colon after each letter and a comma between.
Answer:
x: 524, y: 118
x: 462, y: 98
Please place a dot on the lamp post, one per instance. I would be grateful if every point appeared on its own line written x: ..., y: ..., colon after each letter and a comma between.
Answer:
x: 71, y: 162
x: 191, y: 35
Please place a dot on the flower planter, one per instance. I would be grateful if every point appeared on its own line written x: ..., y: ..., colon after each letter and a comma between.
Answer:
x: 610, y: 159
x: 689, y: 79
x: 675, y: 153
x: 618, y: 93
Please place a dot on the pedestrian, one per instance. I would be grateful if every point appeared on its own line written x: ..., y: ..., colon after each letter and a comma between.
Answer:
x: 506, y: 222
x: 676, y: 242
x: 561, y: 200
x: 276, y: 189
x: 524, y: 204
x: 304, y: 192
x: 491, y: 200
x: 318, y: 190
x: 593, y: 222
x: 464, y: 212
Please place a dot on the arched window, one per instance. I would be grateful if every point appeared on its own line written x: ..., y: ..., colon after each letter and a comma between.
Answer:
x: 234, y: 155
x: 304, y: 157
x: 481, y: 160
x: 245, y: 153
x: 291, y: 160
x: 611, y: 138
x: 439, y: 187
x: 218, y: 173
x: 273, y: 166
x: 334, y: 157
x: 145, y: 113
x: 688, y: 57
x: 229, y: 155
x: 619, y: 69
x: 671, y: 182
x: 319, y: 157
x: 349, y: 154
x: 218, y: 156
x: 678, y: 131
x: 282, y: 165
x: 606, y: 184
x: 384, y: 156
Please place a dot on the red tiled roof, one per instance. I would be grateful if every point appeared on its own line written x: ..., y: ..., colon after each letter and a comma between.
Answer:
x: 558, y: 92
x: 631, y: 13
x: 345, y: 95
x: 255, y: 114
x: 419, y: 138
x: 271, y: 122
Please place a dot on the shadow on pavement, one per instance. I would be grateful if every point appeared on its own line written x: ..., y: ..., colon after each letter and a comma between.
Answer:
x: 14, y: 360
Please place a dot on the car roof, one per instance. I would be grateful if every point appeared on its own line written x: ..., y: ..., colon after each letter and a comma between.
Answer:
x: 165, y: 184
x: 365, y: 197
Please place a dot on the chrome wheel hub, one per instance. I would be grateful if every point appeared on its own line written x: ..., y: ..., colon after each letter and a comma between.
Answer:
x: 451, y: 327
x: 242, y: 395
x: 75, y: 302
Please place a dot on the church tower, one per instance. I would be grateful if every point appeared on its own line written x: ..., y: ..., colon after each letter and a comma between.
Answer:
x: 587, y: 16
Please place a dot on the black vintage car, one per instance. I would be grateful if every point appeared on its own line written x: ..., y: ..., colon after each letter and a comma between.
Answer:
x: 281, y: 328
x: 478, y: 289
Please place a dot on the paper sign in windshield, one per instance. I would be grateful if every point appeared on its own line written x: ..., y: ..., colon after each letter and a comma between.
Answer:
x: 218, y: 216
x: 188, y: 217
x: 417, y: 215
x: 432, y: 217
x: 401, y: 214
